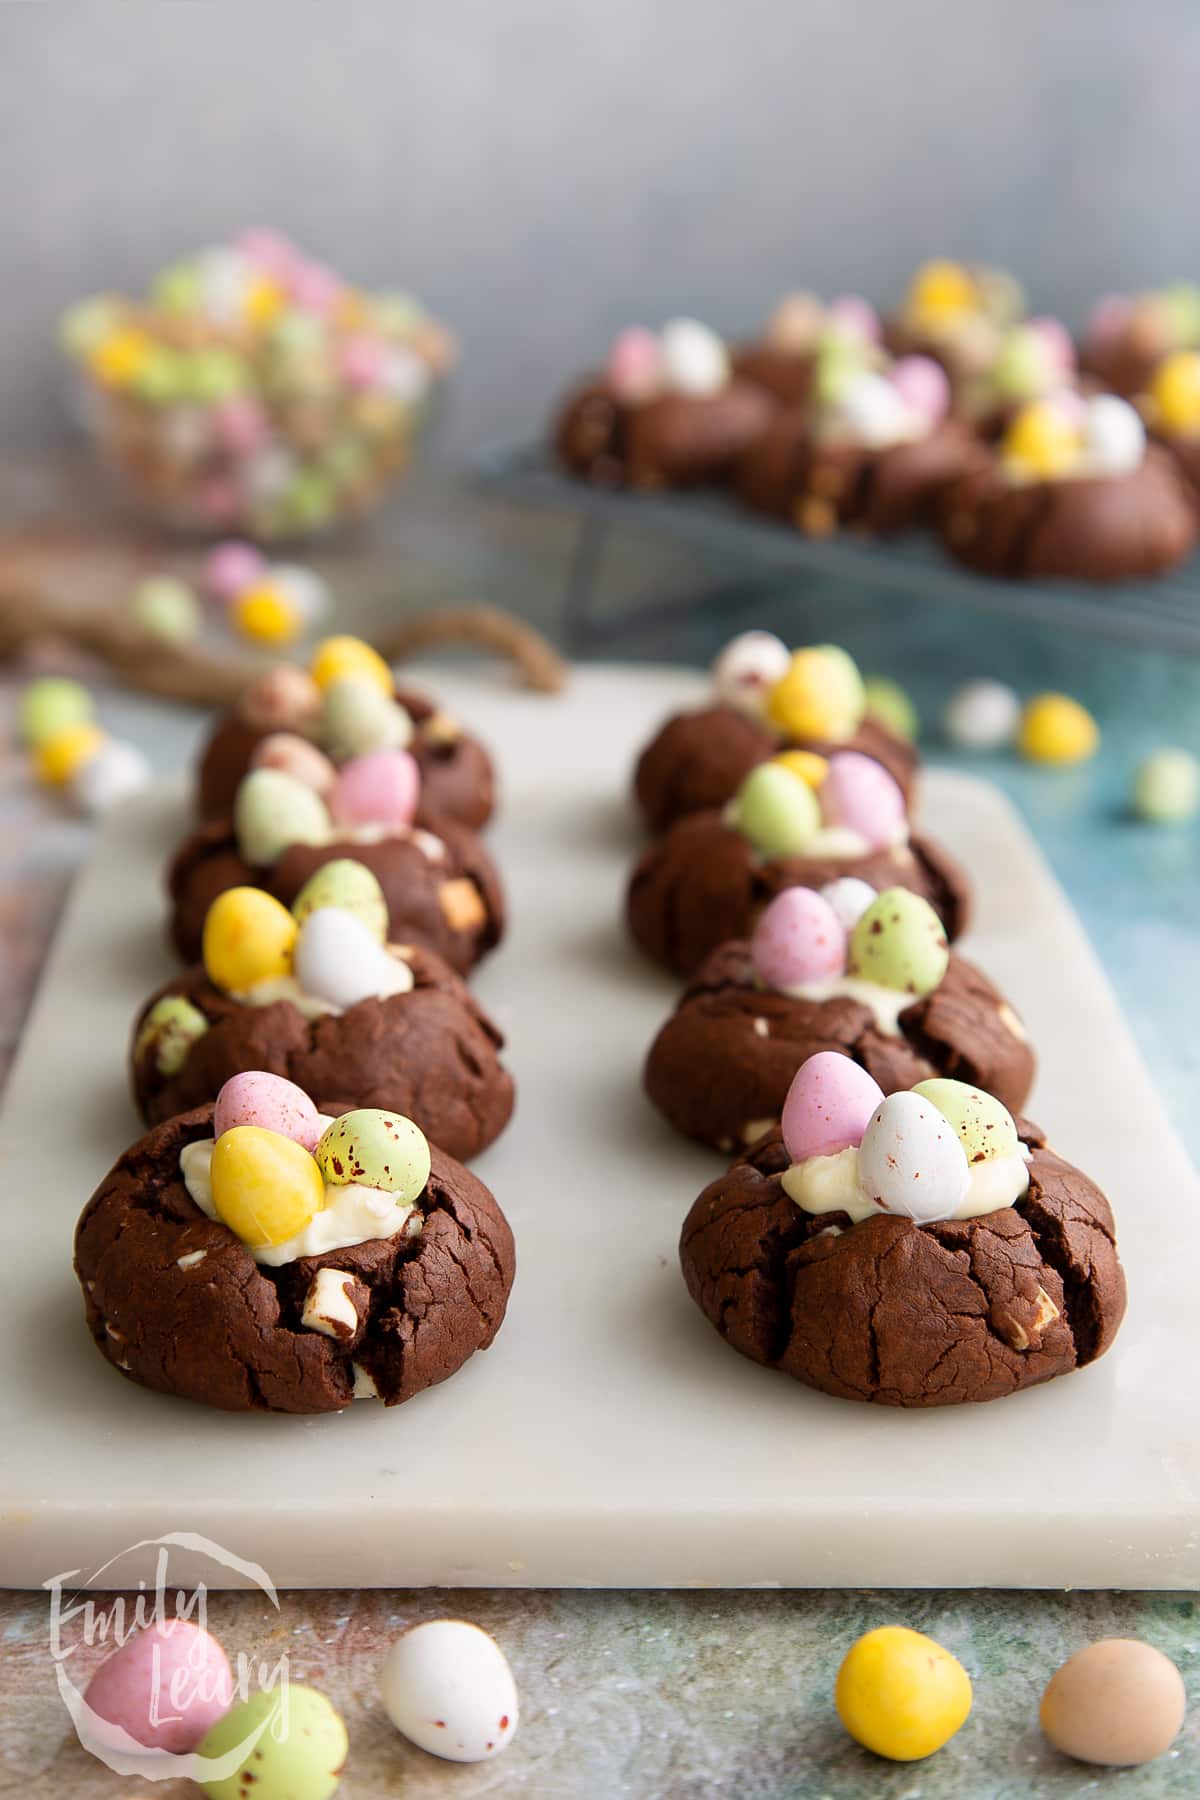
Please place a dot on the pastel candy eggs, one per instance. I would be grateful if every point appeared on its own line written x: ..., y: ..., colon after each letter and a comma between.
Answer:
x: 270, y: 1102
x: 694, y: 360
x: 923, y: 385
x: 338, y: 656
x: 821, y: 696
x: 899, y: 942
x: 888, y: 702
x: 634, y: 370
x: 811, y: 768
x: 248, y: 937
x: 872, y: 411
x: 859, y: 793
x: 1114, y: 438
x: 273, y: 810
x: 849, y: 897
x: 166, y: 608
x: 167, y: 1033
x: 982, y: 715
x: 899, y: 1694
x: 111, y: 775
x: 1166, y: 787
x: 293, y: 755
x: 799, y: 939
x: 380, y: 1149
x: 358, y: 717
x: 265, y: 614
x: 1056, y: 729
x: 828, y: 1107
x: 796, y: 323
x: 776, y: 810
x: 911, y: 1161
x: 381, y: 788
x: 339, y: 959
x: 285, y: 698
x: 165, y: 1686
x: 51, y: 705
x: 265, y: 1186
x: 448, y: 1687
x: 985, y: 1128
x: 58, y: 758
x: 1175, y: 393
x: 1118, y: 1703
x: 349, y: 886
x: 852, y: 316
x: 748, y: 668
x: 941, y: 291
x: 1042, y: 443
x: 295, y: 1747
x: 307, y: 591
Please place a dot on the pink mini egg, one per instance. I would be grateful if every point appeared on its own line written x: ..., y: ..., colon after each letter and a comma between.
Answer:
x: 295, y: 756
x: 829, y: 1106
x: 240, y: 426
x: 1057, y: 342
x: 166, y: 1686
x: 856, y: 317
x: 270, y: 1102
x: 380, y: 788
x: 269, y: 250
x: 1109, y: 319
x: 314, y: 287
x: 923, y: 385
x: 363, y: 362
x: 230, y: 567
x: 635, y: 368
x: 798, y: 939
x: 859, y: 794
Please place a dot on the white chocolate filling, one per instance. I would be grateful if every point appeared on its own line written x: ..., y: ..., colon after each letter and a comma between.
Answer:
x: 830, y: 1184
x: 883, y: 1003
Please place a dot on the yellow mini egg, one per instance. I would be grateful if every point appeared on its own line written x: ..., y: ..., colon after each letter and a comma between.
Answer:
x: 336, y: 657
x: 940, y: 289
x: 900, y: 1694
x: 248, y: 937
x: 59, y: 757
x: 1042, y: 442
x: 265, y: 300
x: 266, y: 1187
x: 1056, y: 729
x: 119, y: 358
x: 810, y: 767
x: 821, y: 696
x: 265, y: 615
x: 1175, y: 391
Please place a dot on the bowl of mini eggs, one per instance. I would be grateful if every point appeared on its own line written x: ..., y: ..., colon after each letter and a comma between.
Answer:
x: 254, y: 390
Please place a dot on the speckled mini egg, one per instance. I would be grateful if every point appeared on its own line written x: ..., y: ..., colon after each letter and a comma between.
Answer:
x: 165, y: 1686
x: 339, y: 959
x: 357, y: 718
x: 448, y: 1687
x: 379, y: 1149
x: 295, y: 1747
x: 349, y: 886
x: 859, y: 794
x: 776, y: 810
x: 899, y: 942
x: 269, y: 1101
x: 1118, y: 1703
x: 828, y: 1106
x: 293, y: 755
x: 799, y: 939
x: 985, y: 1128
x: 102, y: 781
x: 380, y: 788
x: 748, y: 668
x: 910, y: 1160
x: 272, y: 811
x: 167, y: 1033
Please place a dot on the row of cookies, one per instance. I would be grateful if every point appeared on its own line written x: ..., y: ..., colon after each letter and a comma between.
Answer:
x: 892, y: 1229
x: 957, y: 412
x: 297, y: 1229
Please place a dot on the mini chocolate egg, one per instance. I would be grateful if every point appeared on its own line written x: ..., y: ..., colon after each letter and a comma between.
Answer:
x: 249, y: 937
x: 776, y: 810
x: 694, y: 360
x: 357, y: 718
x: 352, y: 888
x: 446, y: 1685
x: 1114, y: 438
x: 900, y: 1694
x: 1166, y: 787
x: 110, y: 776
x: 51, y: 705
x: 798, y: 939
x: 295, y: 1744
x: 380, y: 1149
x: 748, y: 668
x: 985, y: 1128
x: 168, y: 1032
x: 272, y: 811
x: 293, y: 755
x: 269, y: 1101
x: 380, y: 788
x: 265, y: 1186
x: 859, y: 794
x: 340, y: 959
x: 888, y: 702
x: 828, y: 1107
x: 59, y: 758
x: 982, y: 715
x: 820, y: 696
x: 1056, y: 729
x: 911, y: 1162
x: 899, y: 942
x: 166, y: 608
x: 285, y: 698
x: 338, y: 656
x: 849, y: 898
x: 166, y: 1686
x: 1118, y: 1703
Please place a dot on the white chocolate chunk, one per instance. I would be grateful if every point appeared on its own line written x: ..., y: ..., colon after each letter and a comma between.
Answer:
x: 328, y: 1307
x: 192, y: 1258
x: 364, y: 1387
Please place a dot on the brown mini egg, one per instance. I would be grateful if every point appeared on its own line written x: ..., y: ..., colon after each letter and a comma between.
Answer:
x: 1119, y: 1702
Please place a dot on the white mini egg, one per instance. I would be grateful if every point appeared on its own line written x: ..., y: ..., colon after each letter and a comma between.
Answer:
x: 115, y: 771
x: 982, y: 715
x: 1114, y: 437
x: 748, y: 668
x: 337, y: 958
x: 873, y: 411
x: 307, y: 591
x: 911, y: 1160
x: 447, y: 1686
x: 694, y: 359
x: 849, y: 898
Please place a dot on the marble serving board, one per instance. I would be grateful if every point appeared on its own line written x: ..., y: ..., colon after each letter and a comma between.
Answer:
x: 608, y: 1438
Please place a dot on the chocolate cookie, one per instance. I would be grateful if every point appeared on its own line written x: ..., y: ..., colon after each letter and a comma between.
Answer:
x: 702, y: 884
x: 454, y: 906
x: 677, y: 440
x: 430, y: 1054
x: 176, y: 1301
x: 901, y: 1314
x: 457, y: 777
x: 721, y: 1066
x: 698, y: 760
x: 787, y: 375
x: 1106, y: 528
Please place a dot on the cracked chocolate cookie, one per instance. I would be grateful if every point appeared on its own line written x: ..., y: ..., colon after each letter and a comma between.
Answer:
x: 803, y: 1266
x: 801, y: 334
x: 321, y: 1291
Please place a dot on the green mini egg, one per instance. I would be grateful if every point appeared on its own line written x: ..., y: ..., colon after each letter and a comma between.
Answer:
x: 309, y: 500
x: 295, y: 1747
x: 985, y: 1128
x: 777, y: 811
x: 838, y: 361
x: 357, y: 717
x: 1021, y: 366
x: 167, y: 608
x: 176, y: 289
x: 846, y: 679
x: 50, y: 705
x: 169, y: 1030
x: 216, y: 373
x: 887, y: 701
x: 1182, y: 302
x: 379, y: 1149
x: 350, y: 886
x: 899, y: 942
x: 161, y: 376
x: 273, y: 810
x: 1166, y: 787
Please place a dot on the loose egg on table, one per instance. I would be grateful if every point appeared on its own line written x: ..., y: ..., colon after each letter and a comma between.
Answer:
x: 1166, y: 787
x: 1056, y: 729
x: 447, y: 1686
x: 51, y: 705
x: 165, y: 1686
x: 982, y: 715
x: 295, y: 1747
x: 900, y: 1694
x: 1117, y: 1703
